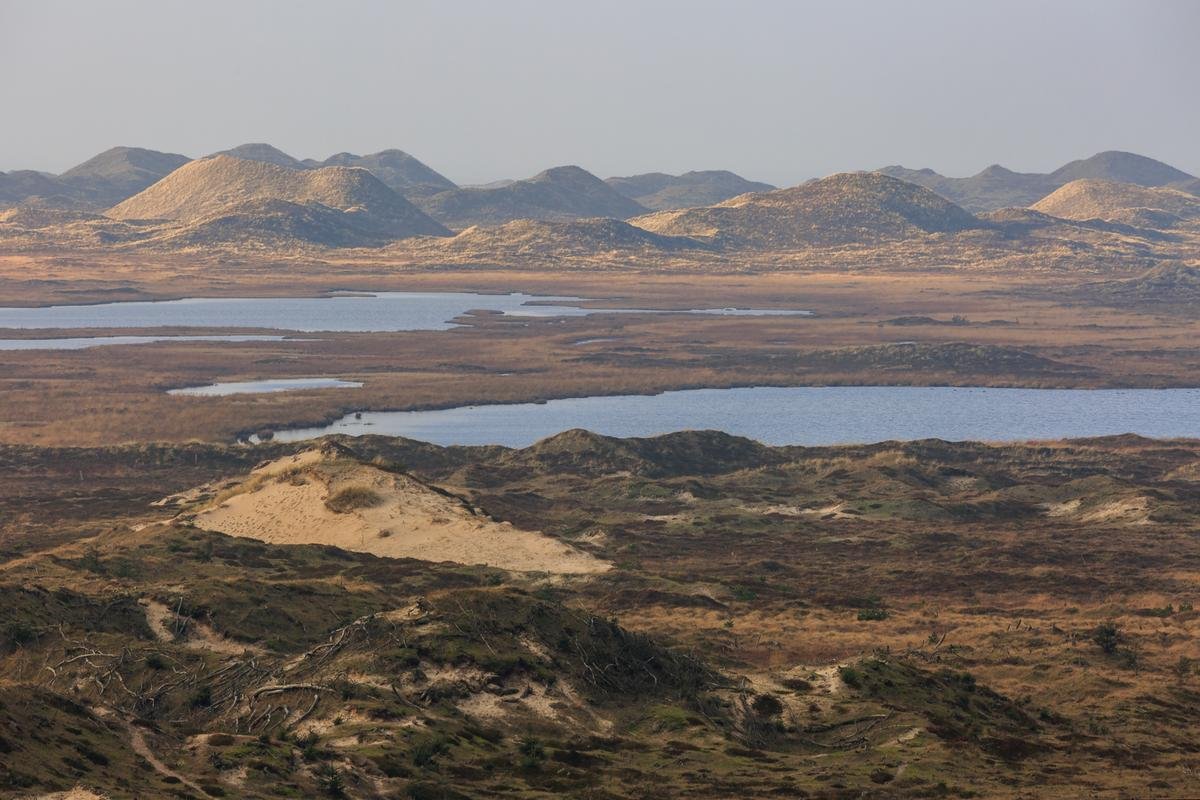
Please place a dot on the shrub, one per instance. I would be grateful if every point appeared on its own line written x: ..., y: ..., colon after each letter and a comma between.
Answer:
x: 872, y: 614
x: 426, y: 749
x: 19, y: 633
x: 202, y: 697
x: 331, y: 781
x: 851, y: 677
x: 797, y: 684
x: 1108, y: 637
x: 532, y: 753
x: 348, y: 498
x: 766, y: 705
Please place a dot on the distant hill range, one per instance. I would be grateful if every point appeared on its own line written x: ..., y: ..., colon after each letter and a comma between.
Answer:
x: 1115, y: 208
x: 398, y: 170
x: 99, y: 182
x: 226, y: 198
x: 998, y: 187
x: 847, y: 208
x: 659, y: 191
x: 560, y: 193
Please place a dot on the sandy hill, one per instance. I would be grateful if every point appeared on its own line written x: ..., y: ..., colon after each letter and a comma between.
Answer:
x: 34, y: 213
x: 23, y: 184
x: 400, y: 171
x: 556, y: 194
x: 847, y: 208
x: 994, y: 187
x: 1115, y: 165
x: 1167, y: 285
x: 120, y: 172
x: 659, y: 191
x: 1086, y: 199
x: 208, y: 188
x: 998, y: 187
x: 260, y: 151
x: 595, y: 235
x: 326, y: 496
x: 97, y: 183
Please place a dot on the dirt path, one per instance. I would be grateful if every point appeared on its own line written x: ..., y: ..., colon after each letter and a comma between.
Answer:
x: 197, y: 636
x: 138, y: 741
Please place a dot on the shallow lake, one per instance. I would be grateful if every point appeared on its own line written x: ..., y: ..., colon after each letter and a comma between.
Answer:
x: 381, y: 311
x: 263, y: 387
x: 84, y: 342
x: 804, y: 415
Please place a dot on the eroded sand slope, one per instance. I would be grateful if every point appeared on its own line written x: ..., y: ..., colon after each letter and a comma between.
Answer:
x: 396, y: 516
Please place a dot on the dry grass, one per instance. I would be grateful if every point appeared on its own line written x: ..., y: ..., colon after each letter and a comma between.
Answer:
x: 351, y: 498
x: 116, y: 394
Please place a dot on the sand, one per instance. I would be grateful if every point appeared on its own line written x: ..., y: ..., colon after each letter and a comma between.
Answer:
x: 283, y: 502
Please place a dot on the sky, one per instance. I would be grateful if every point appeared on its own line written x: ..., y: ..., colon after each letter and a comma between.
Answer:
x: 482, y: 90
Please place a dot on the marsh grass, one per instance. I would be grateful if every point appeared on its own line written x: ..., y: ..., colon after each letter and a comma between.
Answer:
x: 351, y: 498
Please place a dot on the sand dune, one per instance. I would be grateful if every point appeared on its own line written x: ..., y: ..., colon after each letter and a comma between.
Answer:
x: 390, y: 514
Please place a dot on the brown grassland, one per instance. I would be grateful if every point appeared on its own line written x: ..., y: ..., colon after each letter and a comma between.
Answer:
x: 893, y: 620
x: 1020, y: 329
x: 920, y: 619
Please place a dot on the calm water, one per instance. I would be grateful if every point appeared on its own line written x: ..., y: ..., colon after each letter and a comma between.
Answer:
x: 84, y: 342
x: 808, y: 415
x: 264, y: 387
x: 383, y: 311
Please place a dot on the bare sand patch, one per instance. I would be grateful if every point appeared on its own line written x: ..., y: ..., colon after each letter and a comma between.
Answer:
x: 393, y: 515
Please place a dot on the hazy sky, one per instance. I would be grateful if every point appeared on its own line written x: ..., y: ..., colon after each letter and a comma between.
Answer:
x: 778, y: 91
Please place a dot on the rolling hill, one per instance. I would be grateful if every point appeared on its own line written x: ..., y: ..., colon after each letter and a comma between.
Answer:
x: 235, y: 197
x: 659, y: 191
x: 998, y: 187
x: 267, y: 154
x: 400, y: 171
x: 22, y: 184
x: 97, y: 183
x: 1085, y: 199
x: 559, y: 193
x: 397, y: 169
x: 121, y: 172
x: 846, y: 208
x: 592, y: 236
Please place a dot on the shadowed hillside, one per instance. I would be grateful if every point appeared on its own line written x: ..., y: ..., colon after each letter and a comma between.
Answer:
x: 260, y: 151
x: 659, y: 191
x: 557, y: 194
x: 400, y: 171
x: 121, y: 172
x: 97, y: 183
x: 997, y: 187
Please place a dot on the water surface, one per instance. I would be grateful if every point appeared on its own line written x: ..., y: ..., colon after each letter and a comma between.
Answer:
x: 381, y: 311
x: 84, y: 342
x: 264, y: 387
x: 804, y: 415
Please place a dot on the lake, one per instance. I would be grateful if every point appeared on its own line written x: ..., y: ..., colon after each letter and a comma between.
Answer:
x: 263, y: 387
x: 375, y: 312
x: 84, y: 342
x: 803, y: 415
